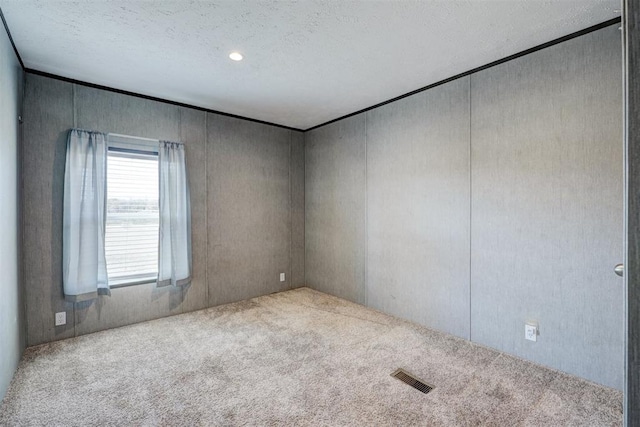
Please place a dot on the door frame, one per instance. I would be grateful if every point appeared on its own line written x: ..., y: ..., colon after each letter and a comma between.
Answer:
x: 631, y: 90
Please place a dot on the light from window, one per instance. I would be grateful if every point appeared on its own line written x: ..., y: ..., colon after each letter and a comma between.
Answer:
x: 131, y: 241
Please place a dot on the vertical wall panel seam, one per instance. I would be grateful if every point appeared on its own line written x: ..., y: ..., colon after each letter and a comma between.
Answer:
x: 181, y: 139
x: 75, y: 125
x: 73, y: 105
x: 304, y: 206
x: 206, y: 205
x: 290, y: 286
x: 470, y: 200
x: 304, y: 209
x: 366, y: 216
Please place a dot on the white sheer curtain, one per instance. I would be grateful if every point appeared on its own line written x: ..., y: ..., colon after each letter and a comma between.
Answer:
x: 84, y: 263
x: 174, y: 249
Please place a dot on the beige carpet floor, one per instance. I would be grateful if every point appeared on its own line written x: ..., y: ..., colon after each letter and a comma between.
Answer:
x: 294, y: 358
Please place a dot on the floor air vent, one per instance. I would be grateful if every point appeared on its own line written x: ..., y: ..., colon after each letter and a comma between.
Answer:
x: 407, y: 378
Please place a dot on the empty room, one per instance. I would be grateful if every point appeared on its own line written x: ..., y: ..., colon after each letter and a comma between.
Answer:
x: 340, y: 213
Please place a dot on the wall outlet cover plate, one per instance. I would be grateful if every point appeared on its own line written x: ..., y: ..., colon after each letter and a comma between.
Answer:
x: 531, y: 332
x: 61, y: 318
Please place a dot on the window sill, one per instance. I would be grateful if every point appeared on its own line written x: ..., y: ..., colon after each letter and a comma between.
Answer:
x: 123, y: 283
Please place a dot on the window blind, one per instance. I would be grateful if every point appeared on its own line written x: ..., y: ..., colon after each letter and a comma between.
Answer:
x: 131, y: 240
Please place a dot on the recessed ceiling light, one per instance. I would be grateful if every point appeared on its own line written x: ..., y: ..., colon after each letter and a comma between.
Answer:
x: 236, y: 56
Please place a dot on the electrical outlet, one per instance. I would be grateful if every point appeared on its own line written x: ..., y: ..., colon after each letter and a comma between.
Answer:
x: 531, y: 332
x: 61, y: 318
x: 282, y: 277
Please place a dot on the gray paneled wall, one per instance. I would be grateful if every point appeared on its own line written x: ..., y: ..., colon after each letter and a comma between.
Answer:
x: 12, y: 332
x: 335, y: 195
x: 547, y: 204
x: 48, y: 114
x: 490, y: 201
x: 418, y: 208
x: 246, y: 181
x: 249, y: 209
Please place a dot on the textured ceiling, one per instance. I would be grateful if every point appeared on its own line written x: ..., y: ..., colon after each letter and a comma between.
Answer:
x: 306, y: 62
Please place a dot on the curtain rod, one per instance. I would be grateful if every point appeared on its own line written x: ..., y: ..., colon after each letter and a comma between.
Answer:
x: 133, y: 137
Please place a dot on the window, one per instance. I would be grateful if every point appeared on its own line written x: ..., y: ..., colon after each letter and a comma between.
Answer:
x: 132, y: 222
